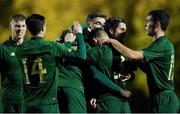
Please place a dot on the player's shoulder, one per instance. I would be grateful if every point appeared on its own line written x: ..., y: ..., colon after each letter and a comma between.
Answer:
x: 166, y: 44
x: 98, y: 49
x: 55, y: 45
x: 5, y: 44
x: 105, y: 47
x: 50, y: 44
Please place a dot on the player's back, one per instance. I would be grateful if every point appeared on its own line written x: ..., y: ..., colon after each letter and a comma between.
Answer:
x: 38, y: 61
x: 101, y: 57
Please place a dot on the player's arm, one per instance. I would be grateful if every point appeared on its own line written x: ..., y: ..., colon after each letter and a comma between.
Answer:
x: 108, y: 83
x: 93, y: 55
x: 81, y: 50
x: 125, y: 51
x: 68, y: 44
x: 103, y: 79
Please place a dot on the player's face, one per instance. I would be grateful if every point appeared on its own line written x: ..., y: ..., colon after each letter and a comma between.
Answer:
x: 97, y: 23
x: 120, y: 31
x: 18, y: 29
x: 150, y: 26
x: 70, y: 37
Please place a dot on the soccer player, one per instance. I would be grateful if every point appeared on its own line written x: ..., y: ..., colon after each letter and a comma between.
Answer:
x: 116, y: 29
x: 157, y: 61
x: 11, y: 93
x: 38, y: 59
x: 101, y: 56
x: 93, y: 20
x: 71, y: 96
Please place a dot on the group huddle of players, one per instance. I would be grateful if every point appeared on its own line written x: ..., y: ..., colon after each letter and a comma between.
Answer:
x: 86, y: 69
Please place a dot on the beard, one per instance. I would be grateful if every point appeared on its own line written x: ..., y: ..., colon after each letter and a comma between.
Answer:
x: 151, y: 31
x: 121, y: 37
x: 18, y: 37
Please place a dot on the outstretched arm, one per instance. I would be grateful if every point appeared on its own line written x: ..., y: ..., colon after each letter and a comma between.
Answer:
x: 125, y: 51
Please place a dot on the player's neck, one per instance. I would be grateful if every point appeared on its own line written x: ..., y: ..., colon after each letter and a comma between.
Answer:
x: 158, y: 35
x: 38, y: 35
x: 17, y: 40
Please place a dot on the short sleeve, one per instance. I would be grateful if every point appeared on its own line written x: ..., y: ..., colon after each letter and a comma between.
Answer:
x: 150, y: 54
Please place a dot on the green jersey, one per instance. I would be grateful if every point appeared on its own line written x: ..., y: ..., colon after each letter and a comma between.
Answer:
x: 84, y: 26
x: 11, y: 74
x: 102, y: 58
x: 70, y: 75
x: 40, y: 72
x: 71, y: 96
x: 107, y: 100
x: 159, y: 65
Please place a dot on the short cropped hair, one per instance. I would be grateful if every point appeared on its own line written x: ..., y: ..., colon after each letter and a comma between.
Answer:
x: 35, y: 23
x: 162, y: 16
x: 63, y: 34
x: 98, y: 32
x: 94, y: 15
x: 18, y: 17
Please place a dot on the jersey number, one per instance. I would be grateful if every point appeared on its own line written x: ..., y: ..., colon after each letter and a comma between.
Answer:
x: 171, y: 71
x: 36, y: 64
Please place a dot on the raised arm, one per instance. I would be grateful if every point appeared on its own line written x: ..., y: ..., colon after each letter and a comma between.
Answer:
x: 81, y: 50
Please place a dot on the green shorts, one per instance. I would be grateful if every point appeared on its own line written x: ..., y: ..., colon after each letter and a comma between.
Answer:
x: 165, y: 102
x: 71, y: 100
x: 51, y: 108
x: 112, y: 104
x: 10, y: 108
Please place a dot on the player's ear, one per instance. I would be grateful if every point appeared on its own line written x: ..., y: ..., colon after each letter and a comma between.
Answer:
x: 158, y: 24
x: 111, y: 30
x: 10, y: 25
x: 93, y: 40
x: 42, y: 28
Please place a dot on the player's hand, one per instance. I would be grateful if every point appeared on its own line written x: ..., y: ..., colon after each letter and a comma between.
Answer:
x: 110, y: 40
x: 102, y: 41
x: 57, y: 40
x: 125, y: 93
x: 126, y: 77
x: 70, y: 37
x: 77, y: 27
x: 93, y: 103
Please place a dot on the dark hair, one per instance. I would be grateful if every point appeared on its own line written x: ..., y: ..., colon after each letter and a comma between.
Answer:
x: 18, y: 17
x: 63, y: 34
x: 112, y: 23
x: 162, y: 16
x: 94, y: 14
x: 94, y: 33
x: 35, y: 23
